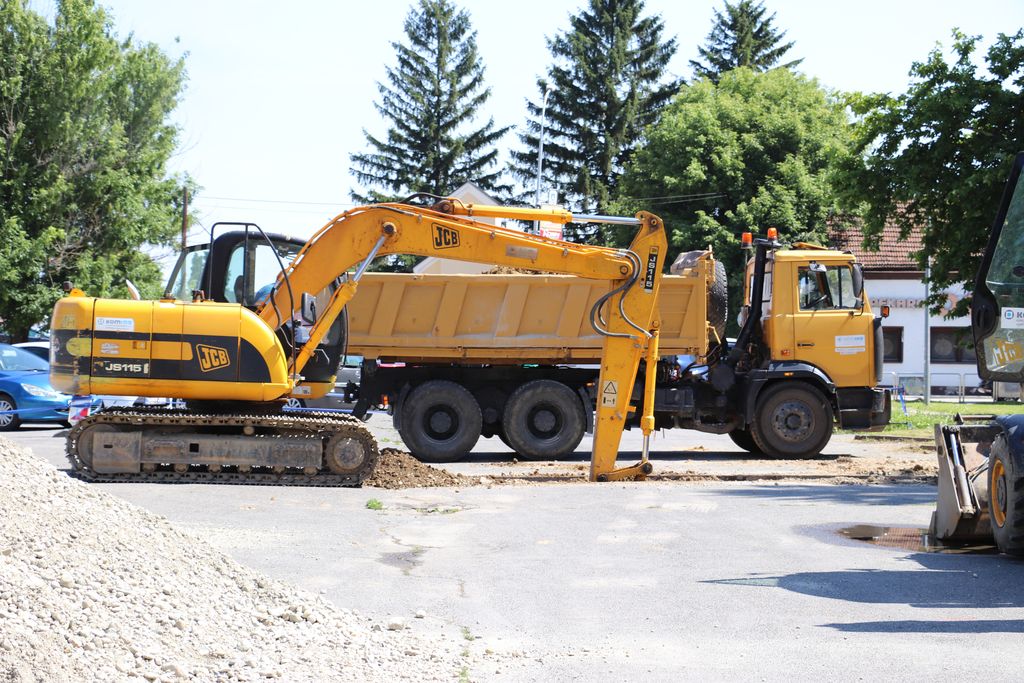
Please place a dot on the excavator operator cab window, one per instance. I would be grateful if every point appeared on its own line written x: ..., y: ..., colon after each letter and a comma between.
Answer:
x: 187, y: 273
x: 250, y: 275
x: 826, y: 288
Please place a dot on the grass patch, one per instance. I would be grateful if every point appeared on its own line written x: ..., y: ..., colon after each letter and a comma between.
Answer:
x: 374, y: 504
x: 920, y: 419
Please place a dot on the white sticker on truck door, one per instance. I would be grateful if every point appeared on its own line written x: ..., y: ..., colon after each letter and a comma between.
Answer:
x: 1012, y: 319
x: 849, y: 344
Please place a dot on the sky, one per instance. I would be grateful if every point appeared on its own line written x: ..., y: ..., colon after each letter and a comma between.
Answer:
x: 278, y: 94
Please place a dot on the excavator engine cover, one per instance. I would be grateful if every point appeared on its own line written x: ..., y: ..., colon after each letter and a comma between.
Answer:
x: 165, y: 348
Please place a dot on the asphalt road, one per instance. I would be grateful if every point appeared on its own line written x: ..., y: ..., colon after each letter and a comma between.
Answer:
x: 649, y: 581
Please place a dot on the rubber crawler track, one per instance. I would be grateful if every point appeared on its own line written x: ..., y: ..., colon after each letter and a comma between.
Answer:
x: 317, y: 425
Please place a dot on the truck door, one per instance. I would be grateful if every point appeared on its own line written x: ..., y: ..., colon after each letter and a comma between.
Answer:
x: 831, y: 329
x: 997, y: 309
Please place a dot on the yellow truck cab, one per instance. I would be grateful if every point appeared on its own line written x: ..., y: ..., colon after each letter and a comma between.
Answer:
x: 818, y: 328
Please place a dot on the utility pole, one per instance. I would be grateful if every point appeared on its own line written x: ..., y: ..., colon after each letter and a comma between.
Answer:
x: 927, y: 336
x: 540, y: 149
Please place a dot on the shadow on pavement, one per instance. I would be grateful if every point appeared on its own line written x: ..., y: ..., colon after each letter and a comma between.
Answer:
x: 853, y: 494
x: 951, y: 581
x: 923, y: 626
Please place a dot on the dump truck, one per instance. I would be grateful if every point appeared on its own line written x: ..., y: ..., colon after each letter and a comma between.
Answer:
x: 981, y: 458
x: 457, y: 357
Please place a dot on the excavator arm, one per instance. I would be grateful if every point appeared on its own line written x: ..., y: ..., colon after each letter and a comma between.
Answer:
x: 626, y: 318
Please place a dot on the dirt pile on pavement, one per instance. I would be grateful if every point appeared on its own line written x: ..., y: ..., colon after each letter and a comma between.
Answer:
x: 94, y: 588
x: 397, y: 469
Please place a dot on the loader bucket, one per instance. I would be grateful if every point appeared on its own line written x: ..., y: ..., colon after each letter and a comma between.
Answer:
x: 961, y: 513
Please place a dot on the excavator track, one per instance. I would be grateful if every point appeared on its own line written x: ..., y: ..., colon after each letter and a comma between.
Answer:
x: 327, y: 428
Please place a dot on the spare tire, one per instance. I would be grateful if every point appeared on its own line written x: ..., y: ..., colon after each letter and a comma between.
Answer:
x: 718, y: 301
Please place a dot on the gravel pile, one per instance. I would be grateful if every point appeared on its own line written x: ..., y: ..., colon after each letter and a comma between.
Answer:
x: 93, y: 588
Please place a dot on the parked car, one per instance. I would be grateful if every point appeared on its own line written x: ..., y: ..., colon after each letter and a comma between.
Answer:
x: 36, y: 348
x: 25, y: 391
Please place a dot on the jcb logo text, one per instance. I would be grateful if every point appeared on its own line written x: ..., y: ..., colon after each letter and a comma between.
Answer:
x: 212, y: 357
x: 445, y: 238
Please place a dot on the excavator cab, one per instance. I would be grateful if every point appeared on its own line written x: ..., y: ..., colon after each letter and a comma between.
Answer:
x: 985, y: 501
x: 241, y: 266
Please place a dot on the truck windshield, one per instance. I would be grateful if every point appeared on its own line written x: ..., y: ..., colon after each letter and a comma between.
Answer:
x: 187, y: 271
x: 826, y: 288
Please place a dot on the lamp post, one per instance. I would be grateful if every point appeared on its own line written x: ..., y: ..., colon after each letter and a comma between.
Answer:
x: 540, y: 148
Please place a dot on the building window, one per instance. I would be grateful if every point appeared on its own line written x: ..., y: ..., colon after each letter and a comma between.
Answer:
x: 892, y: 340
x: 952, y: 345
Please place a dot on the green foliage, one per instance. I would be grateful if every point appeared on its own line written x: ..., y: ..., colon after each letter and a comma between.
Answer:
x: 608, y: 83
x: 742, y: 36
x: 756, y: 150
x: 937, y: 156
x: 432, y: 97
x: 374, y: 504
x: 84, y: 140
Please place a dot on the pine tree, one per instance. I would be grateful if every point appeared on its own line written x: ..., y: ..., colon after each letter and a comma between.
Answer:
x: 607, y: 84
x: 742, y: 36
x: 431, y: 98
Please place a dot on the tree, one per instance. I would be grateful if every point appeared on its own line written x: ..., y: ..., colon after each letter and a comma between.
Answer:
x: 937, y: 156
x: 742, y: 36
x: 607, y: 84
x: 84, y: 139
x: 433, y: 95
x: 755, y: 150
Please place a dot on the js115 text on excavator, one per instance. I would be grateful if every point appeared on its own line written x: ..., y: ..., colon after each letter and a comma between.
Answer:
x: 981, y: 489
x: 518, y: 356
x: 235, y: 363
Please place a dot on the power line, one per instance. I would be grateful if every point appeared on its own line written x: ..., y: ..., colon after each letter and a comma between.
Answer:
x: 270, y: 201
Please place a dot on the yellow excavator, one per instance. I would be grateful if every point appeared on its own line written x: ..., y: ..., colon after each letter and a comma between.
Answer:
x: 981, y: 489
x: 236, y: 362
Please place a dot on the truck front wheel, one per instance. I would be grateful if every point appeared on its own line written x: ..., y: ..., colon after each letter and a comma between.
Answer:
x: 1006, y: 497
x: 441, y: 421
x: 793, y: 420
x: 543, y: 420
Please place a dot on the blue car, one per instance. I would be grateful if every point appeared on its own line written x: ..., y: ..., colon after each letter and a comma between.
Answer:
x: 25, y: 391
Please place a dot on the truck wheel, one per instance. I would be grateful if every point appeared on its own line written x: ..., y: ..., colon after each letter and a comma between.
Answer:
x: 9, y: 419
x: 793, y: 420
x: 1006, y: 497
x: 441, y: 421
x: 543, y: 420
x: 744, y: 439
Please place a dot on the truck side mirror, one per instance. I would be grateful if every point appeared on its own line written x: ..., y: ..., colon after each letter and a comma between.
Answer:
x: 858, y: 280
x: 308, y: 312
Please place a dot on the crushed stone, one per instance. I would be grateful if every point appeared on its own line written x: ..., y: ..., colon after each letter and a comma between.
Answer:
x: 95, y: 588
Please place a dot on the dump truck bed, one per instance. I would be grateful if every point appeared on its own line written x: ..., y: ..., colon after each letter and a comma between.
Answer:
x: 513, y: 319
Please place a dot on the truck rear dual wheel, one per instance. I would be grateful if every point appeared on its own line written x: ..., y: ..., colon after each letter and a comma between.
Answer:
x: 441, y: 421
x: 543, y: 420
x: 793, y: 420
x: 1006, y: 497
